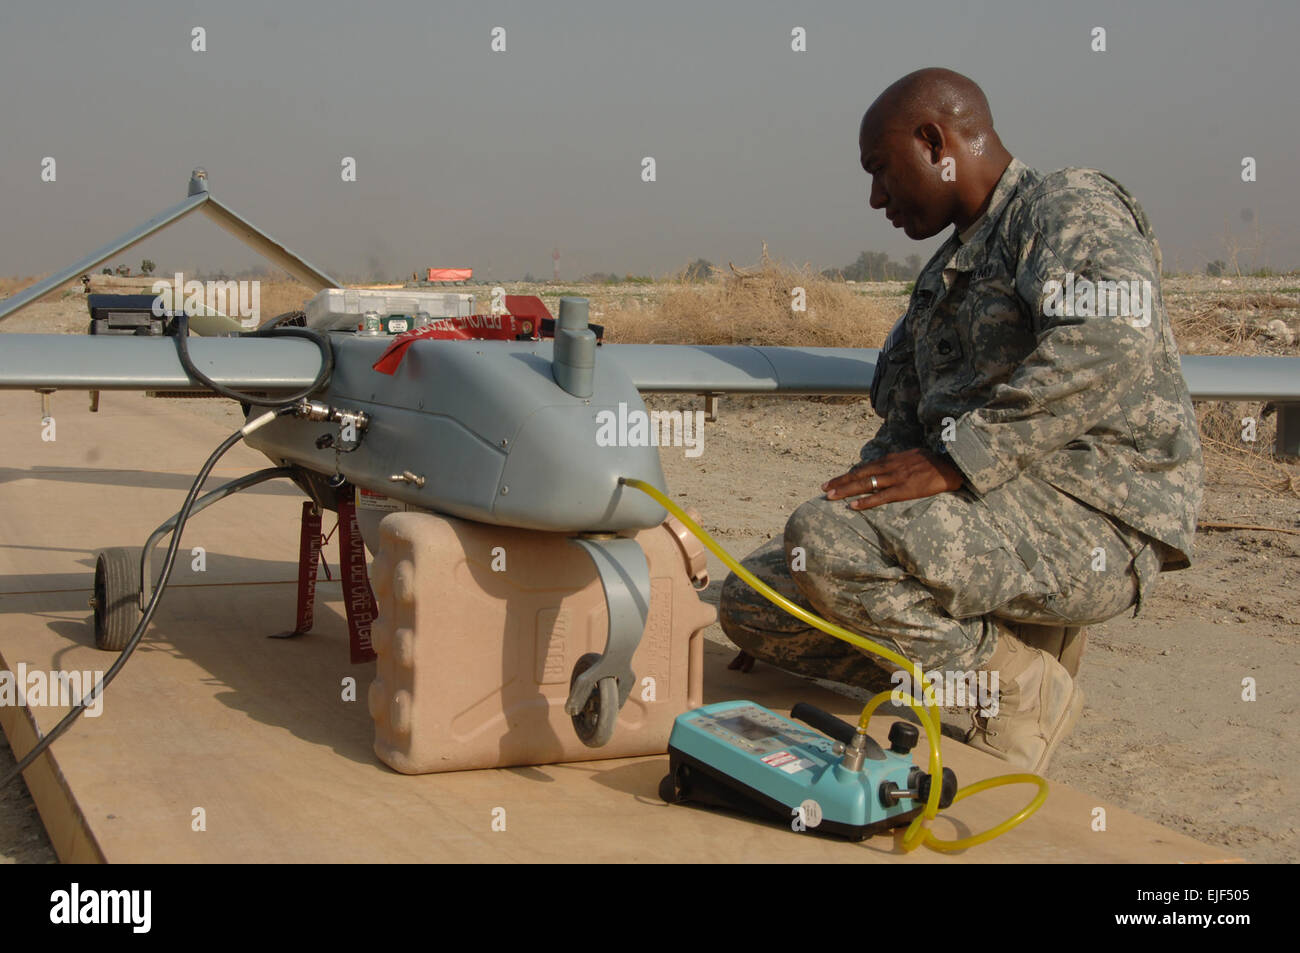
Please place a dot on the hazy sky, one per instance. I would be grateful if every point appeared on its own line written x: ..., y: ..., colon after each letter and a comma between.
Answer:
x: 468, y: 157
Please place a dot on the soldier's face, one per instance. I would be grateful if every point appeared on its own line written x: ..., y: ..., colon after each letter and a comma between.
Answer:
x: 903, y: 181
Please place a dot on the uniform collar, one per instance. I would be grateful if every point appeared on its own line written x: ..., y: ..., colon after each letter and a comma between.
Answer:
x: 964, y: 254
x: 966, y: 236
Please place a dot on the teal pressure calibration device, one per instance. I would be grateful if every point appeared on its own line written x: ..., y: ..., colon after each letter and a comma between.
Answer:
x: 741, y: 756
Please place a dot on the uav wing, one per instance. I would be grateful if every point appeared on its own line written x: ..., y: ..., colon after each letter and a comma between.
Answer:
x: 36, y: 361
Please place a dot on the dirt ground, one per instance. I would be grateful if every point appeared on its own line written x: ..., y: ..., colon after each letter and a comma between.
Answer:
x: 1166, y: 732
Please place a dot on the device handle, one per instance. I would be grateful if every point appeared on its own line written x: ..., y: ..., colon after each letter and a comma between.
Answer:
x: 824, y: 722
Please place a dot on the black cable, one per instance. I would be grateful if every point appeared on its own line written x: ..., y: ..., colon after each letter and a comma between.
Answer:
x: 143, y: 624
x: 216, y: 496
x: 181, y: 327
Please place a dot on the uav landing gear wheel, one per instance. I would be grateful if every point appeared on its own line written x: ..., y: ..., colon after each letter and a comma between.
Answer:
x: 116, y: 599
x: 595, y: 723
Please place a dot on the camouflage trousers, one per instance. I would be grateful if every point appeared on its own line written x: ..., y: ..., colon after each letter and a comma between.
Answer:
x: 931, y: 578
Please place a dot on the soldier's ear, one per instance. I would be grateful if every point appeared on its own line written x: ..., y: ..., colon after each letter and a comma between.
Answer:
x: 932, y: 136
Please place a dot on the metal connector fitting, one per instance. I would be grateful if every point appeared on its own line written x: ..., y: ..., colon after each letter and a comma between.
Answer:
x: 311, y: 410
x: 891, y: 794
x: 856, y: 752
x: 314, y: 410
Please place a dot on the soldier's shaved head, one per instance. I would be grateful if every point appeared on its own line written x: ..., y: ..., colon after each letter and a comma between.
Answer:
x: 934, y: 95
x: 929, y: 144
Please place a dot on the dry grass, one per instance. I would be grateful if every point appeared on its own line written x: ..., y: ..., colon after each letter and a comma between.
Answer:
x: 1236, y: 324
x: 1215, y: 330
x: 10, y: 285
x: 281, y: 295
x: 1232, y: 460
x: 1257, y: 302
x: 754, y: 306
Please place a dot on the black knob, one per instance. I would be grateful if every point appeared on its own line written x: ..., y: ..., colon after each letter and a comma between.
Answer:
x: 887, y: 792
x: 947, y: 790
x: 903, y: 737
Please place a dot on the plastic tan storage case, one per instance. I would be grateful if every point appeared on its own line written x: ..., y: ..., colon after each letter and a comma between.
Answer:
x: 480, y: 626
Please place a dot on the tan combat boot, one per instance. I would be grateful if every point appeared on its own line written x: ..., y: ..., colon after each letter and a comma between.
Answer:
x: 1038, y: 704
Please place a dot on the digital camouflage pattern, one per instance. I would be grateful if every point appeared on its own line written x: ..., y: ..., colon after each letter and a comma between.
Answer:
x: 931, y: 578
x: 1096, y: 406
x: 1074, y: 431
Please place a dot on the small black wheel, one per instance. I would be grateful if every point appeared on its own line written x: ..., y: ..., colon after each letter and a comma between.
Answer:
x: 595, y: 723
x: 675, y: 786
x: 116, y: 599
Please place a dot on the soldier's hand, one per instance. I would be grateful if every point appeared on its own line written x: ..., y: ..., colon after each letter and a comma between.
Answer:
x: 908, y: 475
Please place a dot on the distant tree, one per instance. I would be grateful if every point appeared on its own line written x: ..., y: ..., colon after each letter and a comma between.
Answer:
x: 847, y: 273
x: 876, y: 266
x: 881, y: 267
x: 857, y: 271
x: 124, y: 271
x: 107, y: 271
x: 1216, y: 268
x: 699, y: 270
x: 147, y: 267
x: 872, y: 266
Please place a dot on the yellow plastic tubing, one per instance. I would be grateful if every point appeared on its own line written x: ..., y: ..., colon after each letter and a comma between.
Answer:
x: 918, y: 832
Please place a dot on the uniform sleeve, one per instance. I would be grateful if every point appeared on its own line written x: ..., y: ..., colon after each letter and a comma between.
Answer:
x: 895, y: 394
x: 1090, y: 353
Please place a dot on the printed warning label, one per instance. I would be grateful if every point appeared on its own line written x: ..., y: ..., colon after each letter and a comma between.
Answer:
x: 370, y: 500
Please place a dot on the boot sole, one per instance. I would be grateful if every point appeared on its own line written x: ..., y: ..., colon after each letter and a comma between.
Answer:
x: 1072, y: 712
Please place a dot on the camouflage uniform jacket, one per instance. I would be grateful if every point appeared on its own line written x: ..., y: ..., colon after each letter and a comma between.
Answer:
x: 1003, y: 362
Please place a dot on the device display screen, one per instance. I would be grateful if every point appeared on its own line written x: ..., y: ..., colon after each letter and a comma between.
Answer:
x: 746, y: 727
